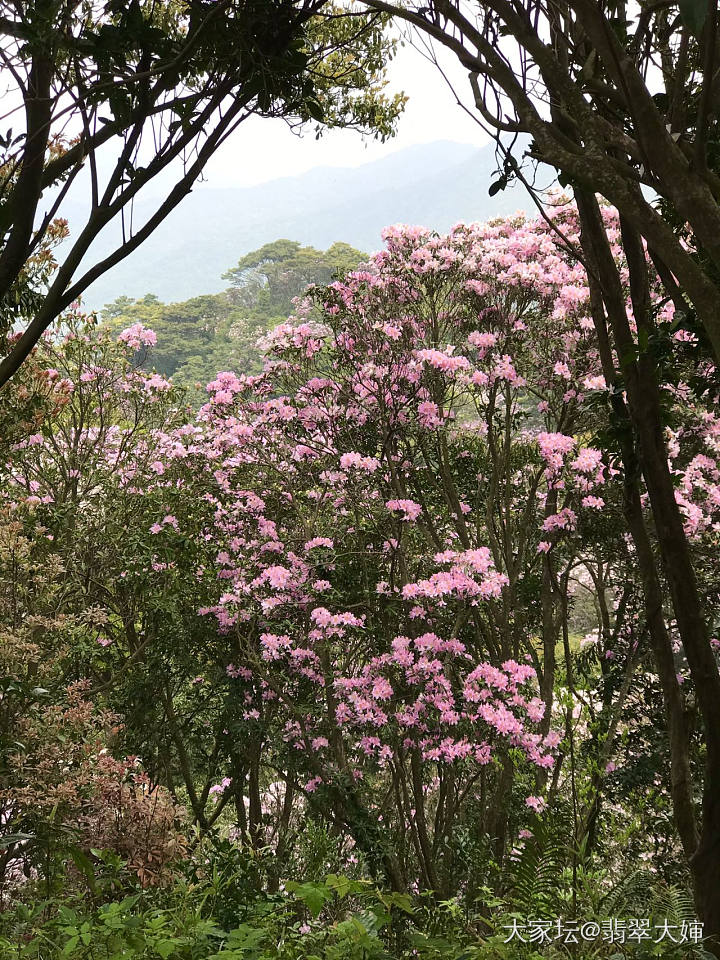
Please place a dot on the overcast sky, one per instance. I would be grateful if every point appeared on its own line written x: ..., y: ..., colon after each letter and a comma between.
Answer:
x: 265, y: 149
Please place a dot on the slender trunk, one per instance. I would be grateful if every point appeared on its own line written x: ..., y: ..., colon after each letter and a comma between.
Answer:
x: 419, y: 800
x: 500, y: 808
x: 281, y: 847
x: 254, y: 802
x: 186, y: 769
x: 680, y: 776
x: 549, y: 626
x: 640, y: 380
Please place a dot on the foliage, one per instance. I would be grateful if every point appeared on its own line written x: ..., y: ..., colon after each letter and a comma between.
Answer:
x: 336, y: 918
x: 202, y: 336
x: 149, y: 84
x: 371, y: 616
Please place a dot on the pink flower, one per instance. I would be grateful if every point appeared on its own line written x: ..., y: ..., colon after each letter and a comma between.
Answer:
x: 218, y: 788
x: 482, y: 340
x: 381, y: 689
x: 277, y: 576
x: 137, y: 336
x: 410, y: 510
x: 235, y: 672
x: 588, y: 460
x: 429, y: 414
x: 566, y: 519
x: 318, y: 542
x: 156, y: 382
x: 350, y: 461
x: 554, y: 443
x: 442, y: 361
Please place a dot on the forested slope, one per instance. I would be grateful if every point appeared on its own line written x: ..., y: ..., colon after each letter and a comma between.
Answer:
x: 218, y: 331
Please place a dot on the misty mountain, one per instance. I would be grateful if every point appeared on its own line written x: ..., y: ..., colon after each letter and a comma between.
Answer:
x: 435, y: 184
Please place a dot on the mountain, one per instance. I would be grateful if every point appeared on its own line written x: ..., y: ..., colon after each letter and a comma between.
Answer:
x: 435, y: 184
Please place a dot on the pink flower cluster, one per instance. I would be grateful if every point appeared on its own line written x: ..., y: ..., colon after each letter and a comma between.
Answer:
x: 554, y: 447
x: 350, y: 461
x: 138, y: 336
x: 408, y: 508
x: 443, y: 361
x: 566, y: 519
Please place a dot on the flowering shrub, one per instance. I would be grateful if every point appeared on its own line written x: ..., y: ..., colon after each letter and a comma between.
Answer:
x: 344, y: 603
x: 65, y: 792
x: 354, y: 492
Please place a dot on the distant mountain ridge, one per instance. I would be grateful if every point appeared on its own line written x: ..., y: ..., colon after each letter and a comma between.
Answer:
x: 435, y: 184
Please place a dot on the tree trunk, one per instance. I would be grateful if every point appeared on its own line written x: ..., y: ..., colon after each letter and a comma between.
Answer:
x: 254, y: 801
x: 640, y: 380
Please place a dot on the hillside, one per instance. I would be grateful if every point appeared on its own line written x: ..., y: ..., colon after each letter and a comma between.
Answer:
x: 219, y: 331
x: 435, y: 184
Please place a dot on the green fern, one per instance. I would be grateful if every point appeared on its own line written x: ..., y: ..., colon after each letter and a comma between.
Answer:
x: 534, y: 879
x: 642, y: 894
x: 632, y: 894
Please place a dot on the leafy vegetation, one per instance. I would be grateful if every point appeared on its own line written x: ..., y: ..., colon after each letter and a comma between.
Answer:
x: 399, y: 640
x: 155, y: 87
x: 204, y: 335
x: 356, y: 659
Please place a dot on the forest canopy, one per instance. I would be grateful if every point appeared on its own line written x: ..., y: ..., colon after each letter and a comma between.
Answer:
x: 203, y: 335
x: 370, y: 609
x: 107, y: 97
x: 360, y: 653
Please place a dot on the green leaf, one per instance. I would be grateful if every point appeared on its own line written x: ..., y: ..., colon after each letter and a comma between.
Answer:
x: 315, y: 110
x: 313, y: 895
x: 694, y: 14
x: 14, y: 838
x: 164, y: 948
x: 342, y: 886
x: 402, y: 901
x: 84, y: 865
x: 69, y: 948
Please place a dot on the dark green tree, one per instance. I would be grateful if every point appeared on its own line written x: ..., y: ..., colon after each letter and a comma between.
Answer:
x: 200, y: 336
x: 267, y: 279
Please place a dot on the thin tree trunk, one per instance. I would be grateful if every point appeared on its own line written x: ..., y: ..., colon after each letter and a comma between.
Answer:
x: 640, y: 380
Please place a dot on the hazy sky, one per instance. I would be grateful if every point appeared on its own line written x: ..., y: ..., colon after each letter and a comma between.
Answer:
x: 263, y: 149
